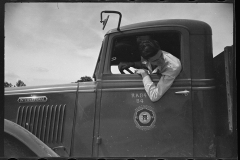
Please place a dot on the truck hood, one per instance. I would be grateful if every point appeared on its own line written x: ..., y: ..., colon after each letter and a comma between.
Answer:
x: 70, y: 87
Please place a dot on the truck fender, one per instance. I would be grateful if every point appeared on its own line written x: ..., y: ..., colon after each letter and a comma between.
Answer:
x: 28, y: 139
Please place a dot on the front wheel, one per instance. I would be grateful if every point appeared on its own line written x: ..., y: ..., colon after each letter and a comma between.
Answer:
x: 13, y: 148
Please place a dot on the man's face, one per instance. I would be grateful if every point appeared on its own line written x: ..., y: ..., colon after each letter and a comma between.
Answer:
x: 155, y: 60
x: 154, y: 63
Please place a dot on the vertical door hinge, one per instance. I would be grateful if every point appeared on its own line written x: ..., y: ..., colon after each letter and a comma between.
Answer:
x: 99, y: 140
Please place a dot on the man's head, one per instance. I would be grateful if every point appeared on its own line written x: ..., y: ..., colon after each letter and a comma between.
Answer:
x: 143, y: 38
x: 148, y: 48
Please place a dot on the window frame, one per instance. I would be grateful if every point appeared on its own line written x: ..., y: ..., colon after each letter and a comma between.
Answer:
x: 99, y: 67
x: 184, y: 47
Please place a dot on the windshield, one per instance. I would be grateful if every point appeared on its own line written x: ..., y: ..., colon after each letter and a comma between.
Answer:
x: 96, y: 71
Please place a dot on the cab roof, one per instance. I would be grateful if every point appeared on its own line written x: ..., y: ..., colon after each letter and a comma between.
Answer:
x: 193, y: 26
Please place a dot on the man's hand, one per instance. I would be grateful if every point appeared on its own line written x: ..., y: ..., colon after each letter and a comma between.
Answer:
x: 142, y: 72
x: 124, y: 65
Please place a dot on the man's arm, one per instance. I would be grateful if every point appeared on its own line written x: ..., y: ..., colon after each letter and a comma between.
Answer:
x: 155, y: 92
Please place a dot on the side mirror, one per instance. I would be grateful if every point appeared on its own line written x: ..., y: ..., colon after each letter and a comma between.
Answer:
x: 105, y: 20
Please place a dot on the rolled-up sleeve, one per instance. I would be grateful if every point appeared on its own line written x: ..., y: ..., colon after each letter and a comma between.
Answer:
x: 155, y: 92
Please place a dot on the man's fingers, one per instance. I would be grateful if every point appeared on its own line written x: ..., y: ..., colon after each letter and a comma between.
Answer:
x: 137, y: 71
x: 123, y: 66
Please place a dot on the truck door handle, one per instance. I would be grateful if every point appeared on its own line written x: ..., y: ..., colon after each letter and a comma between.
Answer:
x: 185, y: 92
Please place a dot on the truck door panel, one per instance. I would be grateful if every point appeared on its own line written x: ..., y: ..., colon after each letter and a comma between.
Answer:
x: 132, y: 125
x: 170, y: 135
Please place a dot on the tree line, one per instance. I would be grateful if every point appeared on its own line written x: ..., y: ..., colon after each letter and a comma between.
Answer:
x: 84, y: 79
x: 19, y: 83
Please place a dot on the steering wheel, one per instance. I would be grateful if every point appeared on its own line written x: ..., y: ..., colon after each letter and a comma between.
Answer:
x: 127, y: 69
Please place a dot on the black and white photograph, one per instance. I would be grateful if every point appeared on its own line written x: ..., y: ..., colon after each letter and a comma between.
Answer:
x: 104, y: 79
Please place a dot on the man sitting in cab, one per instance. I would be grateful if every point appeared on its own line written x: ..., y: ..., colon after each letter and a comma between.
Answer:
x: 154, y: 61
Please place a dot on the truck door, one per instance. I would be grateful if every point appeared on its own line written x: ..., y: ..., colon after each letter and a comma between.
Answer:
x: 130, y: 124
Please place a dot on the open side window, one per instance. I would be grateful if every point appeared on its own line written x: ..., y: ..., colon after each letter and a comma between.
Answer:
x: 125, y: 48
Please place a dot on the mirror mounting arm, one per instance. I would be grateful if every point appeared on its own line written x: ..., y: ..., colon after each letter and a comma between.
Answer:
x: 105, y: 21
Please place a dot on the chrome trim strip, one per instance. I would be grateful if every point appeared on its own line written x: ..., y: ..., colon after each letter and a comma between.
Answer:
x: 74, y: 91
x: 137, y: 89
x: 197, y: 80
x: 204, y: 88
x: 40, y: 89
x: 104, y: 81
x: 91, y: 90
x: 122, y: 89
x: 53, y: 88
x: 203, y: 84
x: 140, y: 80
x: 185, y: 87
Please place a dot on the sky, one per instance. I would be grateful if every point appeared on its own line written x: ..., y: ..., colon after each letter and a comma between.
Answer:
x: 57, y: 43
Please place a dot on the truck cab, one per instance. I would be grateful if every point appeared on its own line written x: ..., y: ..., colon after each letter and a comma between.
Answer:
x: 170, y: 128
x: 113, y: 116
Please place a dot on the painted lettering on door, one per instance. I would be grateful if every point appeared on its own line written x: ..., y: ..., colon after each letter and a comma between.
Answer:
x: 139, y: 97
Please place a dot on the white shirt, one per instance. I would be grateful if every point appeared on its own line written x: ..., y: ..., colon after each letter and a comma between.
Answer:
x: 169, y: 67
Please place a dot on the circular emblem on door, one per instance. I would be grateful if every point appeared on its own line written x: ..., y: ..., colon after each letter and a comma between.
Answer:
x: 144, y: 117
